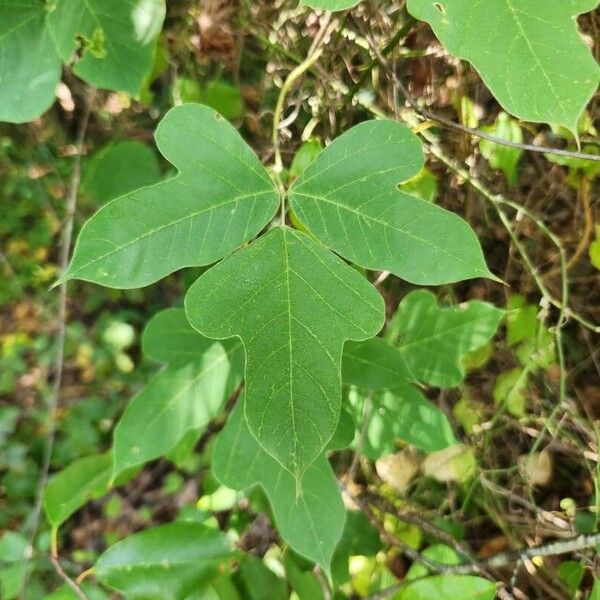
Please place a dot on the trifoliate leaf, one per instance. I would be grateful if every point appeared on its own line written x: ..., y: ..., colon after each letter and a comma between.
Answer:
x: 166, y: 562
x: 293, y: 304
x: 119, y: 168
x: 117, y: 39
x: 348, y: 198
x: 185, y: 396
x: 536, y: 65
x: 309, y: 513
x: 433, y: 339
x: 29, y: 65
x: 221, y: 198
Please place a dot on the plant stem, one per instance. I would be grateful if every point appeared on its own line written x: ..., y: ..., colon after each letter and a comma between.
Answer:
x: 294, y: 75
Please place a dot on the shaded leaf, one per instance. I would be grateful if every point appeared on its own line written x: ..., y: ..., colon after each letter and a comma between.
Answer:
x: 183, y: 397
x: 309, y: 513
x: 348, y: 198
x: 140, y: 237
x: 83, y: 480
x: 293, y: 304
x: 535, y: 64
x: 433, y: 339
x: 502, y: 157
x: 119, y: 168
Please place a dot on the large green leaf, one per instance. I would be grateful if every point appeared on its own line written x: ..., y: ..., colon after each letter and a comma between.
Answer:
x: 309, y: 514
x: 433, y: 340
x: 80, y: 482
x: 29, y: 63
x: 163, y: 563
x: 183, y: 397
x: 117, y: 38
x: 293, y: 304
x: 529, y: 54
x: 348, y: 198
x: 221, y: 198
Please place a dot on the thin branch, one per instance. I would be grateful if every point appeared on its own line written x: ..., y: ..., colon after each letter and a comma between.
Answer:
x: 72, y: 584
x: 53, y: 403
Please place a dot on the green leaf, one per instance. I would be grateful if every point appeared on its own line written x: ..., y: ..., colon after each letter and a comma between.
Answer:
x: 501, y: 157
x: 83, y: 480
x: 571, y: 572
x: 332, y: 5
x: 406, y: 414
x: 449, y: 587
x: 111, y: 34
x: 348, y: 198
x: 535, y: 64
x: 259, y: 582
x: 423, y: 185
x: 221, y: 198
x: 374, y: 365
x: 293, y: 304
x: 163, y: 563
x: 304, y: 157
x: 13, y: 547
x: 309, y: 513
x: 521, y: 320
x: 29, y: 63
x: 433, y: 339
x: 119, y: 168
x: 183, y: 397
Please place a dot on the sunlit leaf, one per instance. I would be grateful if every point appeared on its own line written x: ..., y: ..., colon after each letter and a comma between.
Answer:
x: 221, y: 198
x: 535, y: 63
x: 348, y: 198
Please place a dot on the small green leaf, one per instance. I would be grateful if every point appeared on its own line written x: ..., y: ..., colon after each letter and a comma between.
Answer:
x: 221, y: 198
x: 537, y: 66
x: 348, y: 198
x: 406, y: 414
x: 259, y: 582
x: 293, y: 304
x: 509, y: 391
x: 83, y: 480
x: 374, y: 364
x: 501, y: 157
x: 521, y: 320
x: 112, y: 33
x: 29, y: 65
x: 304, y: 157
x: 309, y: 513
x: 594, y: 249
x: 183, y: 397
x: 163, y: 563
x: 433, y: 339
x: 119, y: 168
x: 423, y: 185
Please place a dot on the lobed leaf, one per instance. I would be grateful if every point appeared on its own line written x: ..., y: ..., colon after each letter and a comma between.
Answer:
x: 534, y: 62
x: 433, y: 340
x: 221, y: 198
x: 348, y: 198
x: 293, y: 304
x: 167, y: 562
x: 309, y: 512
x: 183, y: 397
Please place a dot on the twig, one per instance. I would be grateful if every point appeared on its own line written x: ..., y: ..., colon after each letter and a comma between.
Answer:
x: 72, y: 584
x: 71, y: 201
